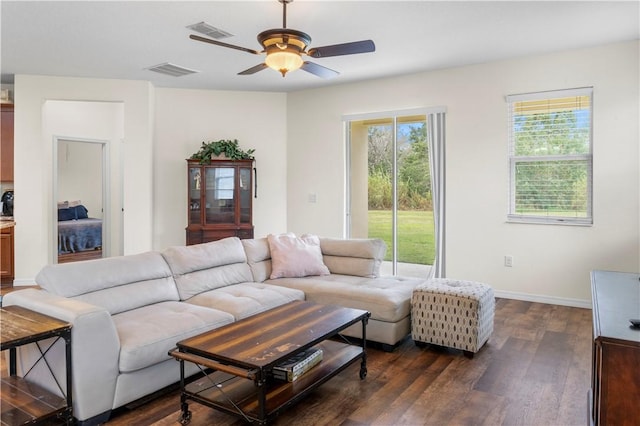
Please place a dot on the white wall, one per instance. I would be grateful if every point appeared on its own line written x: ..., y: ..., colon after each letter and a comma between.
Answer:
x: 300, y: 151
x: 186, y: 118
x: 80, y: 174
x: 551, y: 262
x: 34, y: 163
x: 162, y: 127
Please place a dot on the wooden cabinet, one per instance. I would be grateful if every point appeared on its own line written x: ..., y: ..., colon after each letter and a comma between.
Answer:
x: 615, y: 392
x: 219, y: 200
x: 6, y: 256
x: 6, y: 147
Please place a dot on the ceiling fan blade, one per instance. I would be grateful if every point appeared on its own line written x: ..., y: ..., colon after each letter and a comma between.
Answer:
x: 219, y: 43
x: 319, y: 70
x: 253, y: 70
x: 363, y: 46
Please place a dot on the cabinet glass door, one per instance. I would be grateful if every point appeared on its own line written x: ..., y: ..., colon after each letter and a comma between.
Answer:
x: 245, y: 195
x: 219, y: 196
x: 195, y: 184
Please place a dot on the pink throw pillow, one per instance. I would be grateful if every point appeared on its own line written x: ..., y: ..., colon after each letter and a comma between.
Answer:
x: 294, y: 257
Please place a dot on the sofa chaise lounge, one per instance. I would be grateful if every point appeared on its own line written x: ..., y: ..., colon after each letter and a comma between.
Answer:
x: 127, y: 312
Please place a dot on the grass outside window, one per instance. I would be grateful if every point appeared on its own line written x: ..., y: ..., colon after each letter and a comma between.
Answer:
x: 416, y: 242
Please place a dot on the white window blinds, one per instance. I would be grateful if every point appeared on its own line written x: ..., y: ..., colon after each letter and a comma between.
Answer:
x: 550, y: 157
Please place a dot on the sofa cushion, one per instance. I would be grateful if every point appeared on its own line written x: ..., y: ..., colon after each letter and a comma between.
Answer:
x: 361, y: 257
x: 258, y: 258
x: 115, y: 283
x: 148, y: 333
x: 246, y: 299
x: 202, y: 267
x: 388, y: 298
x: 293, y: 256
x: 133, y: 295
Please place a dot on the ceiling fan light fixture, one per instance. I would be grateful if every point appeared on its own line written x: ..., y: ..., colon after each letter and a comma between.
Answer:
x: 283, y: 61
x: 284, y: 48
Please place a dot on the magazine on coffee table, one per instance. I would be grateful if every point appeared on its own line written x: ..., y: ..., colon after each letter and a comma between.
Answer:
x: 297, y: 365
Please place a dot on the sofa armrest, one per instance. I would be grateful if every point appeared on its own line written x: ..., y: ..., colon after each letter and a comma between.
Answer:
x: 95, y: 349
x: 355, y: 256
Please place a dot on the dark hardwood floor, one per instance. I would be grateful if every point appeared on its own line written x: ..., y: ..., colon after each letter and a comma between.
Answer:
x: 535, y: 370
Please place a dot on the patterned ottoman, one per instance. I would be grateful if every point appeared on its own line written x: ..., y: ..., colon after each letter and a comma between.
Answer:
x: 453, y: 313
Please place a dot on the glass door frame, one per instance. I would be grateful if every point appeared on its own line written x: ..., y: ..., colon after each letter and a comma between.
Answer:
x: 393, y: 116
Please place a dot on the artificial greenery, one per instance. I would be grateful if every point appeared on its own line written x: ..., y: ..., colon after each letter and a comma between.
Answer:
x: 229, y: 148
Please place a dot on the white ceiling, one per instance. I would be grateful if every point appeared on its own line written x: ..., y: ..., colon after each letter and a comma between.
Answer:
x: 119, y: 39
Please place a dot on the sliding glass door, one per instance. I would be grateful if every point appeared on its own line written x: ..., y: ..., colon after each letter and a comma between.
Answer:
x: 390, y: 189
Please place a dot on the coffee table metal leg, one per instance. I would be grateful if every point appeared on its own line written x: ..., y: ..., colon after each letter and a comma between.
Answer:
x: 262, y: 397
x: 67, y: 345
x: 363, y: 364
x: 185, y: 414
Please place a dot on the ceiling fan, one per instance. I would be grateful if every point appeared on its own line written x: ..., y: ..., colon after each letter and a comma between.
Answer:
x: 284, y: 48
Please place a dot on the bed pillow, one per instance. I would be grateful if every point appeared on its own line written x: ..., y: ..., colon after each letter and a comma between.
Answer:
x: 294, y: 257
x: 73, y: 213
x: 66, y: 214
x: 81, y: 211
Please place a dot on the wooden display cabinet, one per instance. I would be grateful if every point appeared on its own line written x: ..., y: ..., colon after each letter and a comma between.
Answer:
x: 219, y: 200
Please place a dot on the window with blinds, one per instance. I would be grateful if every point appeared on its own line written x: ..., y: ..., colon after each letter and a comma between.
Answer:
x: 550, y: 157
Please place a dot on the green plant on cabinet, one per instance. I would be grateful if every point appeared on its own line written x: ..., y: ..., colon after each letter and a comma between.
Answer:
x: 224, y: 147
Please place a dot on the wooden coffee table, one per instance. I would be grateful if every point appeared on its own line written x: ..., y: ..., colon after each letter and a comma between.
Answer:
x: 237, y: 359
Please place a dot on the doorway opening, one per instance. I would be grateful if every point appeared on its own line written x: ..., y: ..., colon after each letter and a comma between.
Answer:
x: 81, y: 194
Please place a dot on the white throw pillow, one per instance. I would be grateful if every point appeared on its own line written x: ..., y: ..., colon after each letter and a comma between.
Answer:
x: 294, y: 257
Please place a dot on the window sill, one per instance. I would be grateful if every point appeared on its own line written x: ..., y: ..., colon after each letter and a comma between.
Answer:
x: 550, y: 221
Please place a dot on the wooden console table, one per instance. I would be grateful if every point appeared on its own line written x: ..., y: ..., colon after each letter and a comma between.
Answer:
x: 614, y: 398
x: 23, y: 402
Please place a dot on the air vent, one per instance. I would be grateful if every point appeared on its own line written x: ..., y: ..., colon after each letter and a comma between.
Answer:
x: 209, y: 30
x: 171, y: 69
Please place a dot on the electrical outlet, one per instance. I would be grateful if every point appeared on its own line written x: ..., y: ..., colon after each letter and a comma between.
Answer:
x: 312, y: 197
x: 508, y: 261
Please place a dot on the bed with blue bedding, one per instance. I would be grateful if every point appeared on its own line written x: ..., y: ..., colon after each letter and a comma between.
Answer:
x: 77, y: 232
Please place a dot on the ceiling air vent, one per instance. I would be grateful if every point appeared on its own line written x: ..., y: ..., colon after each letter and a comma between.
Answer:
x: 209, y: 30
x: 171, y: 69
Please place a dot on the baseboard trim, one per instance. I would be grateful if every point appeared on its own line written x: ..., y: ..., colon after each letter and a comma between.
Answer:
x: 551, y: 300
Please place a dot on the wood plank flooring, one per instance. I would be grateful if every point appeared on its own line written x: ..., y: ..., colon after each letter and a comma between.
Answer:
x: 535, y: 370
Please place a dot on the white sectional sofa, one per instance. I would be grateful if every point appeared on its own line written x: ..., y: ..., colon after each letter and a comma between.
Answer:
x: 128, y: 312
